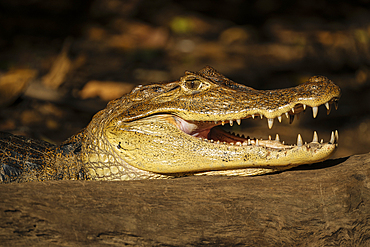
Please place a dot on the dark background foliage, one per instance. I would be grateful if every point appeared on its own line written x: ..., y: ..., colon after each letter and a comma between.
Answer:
x: 62, y: 61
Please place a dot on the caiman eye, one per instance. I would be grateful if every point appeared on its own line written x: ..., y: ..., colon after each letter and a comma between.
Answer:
x: 193, y: 84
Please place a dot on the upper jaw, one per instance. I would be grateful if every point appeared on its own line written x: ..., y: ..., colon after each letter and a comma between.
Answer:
x: 194, y: 126
x: 271, y: 104
x: 205, y: 129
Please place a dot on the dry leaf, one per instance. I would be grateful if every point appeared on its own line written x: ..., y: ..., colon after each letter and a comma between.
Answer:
x: 59, y: 70
x: 13, y: 84
x: 106, y: 90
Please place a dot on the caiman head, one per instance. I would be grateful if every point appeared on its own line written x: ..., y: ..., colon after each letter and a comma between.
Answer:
x: 173, y: 128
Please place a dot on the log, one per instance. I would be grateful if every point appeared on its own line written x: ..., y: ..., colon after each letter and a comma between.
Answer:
x: 318, y: 205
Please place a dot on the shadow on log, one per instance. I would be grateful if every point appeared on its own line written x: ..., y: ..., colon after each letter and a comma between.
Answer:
x: 318, y: 205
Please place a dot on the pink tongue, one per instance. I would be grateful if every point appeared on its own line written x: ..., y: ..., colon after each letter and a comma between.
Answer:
x: 199, y: 129
x: 205, y: 130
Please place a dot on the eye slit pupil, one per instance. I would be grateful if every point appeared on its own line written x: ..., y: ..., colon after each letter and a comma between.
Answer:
x: 194, y: 84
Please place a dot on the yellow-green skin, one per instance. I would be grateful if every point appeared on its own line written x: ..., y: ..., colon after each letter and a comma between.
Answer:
x: 135, y: 137
x: 141, y: 135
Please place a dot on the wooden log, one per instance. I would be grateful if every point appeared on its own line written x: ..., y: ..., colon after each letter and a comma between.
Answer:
x: 318, y: 205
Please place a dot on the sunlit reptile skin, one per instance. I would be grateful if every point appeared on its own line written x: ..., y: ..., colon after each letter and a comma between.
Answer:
x: 23, y: 159
x: 143, y: 135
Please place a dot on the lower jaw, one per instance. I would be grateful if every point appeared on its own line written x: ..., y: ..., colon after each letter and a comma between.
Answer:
x: 218, y: 135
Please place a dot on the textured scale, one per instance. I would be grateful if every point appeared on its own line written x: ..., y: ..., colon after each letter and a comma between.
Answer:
x: 24, y: 159
x: 162, y: 130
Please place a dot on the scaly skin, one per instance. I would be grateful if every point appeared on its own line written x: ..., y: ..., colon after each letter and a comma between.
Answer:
x: 168, y: 130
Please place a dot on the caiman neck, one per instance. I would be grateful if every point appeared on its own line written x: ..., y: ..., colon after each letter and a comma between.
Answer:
x: 68, y: 158
x: 99, y: 158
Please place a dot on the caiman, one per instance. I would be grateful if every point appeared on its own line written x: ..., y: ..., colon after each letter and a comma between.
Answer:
x: 168, y: 130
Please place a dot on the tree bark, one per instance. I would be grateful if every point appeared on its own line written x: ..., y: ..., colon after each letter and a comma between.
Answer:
x: 318, y: 205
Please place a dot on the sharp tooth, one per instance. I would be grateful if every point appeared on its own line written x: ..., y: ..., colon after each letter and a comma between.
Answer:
x: 269, y: 138
x: 261, y: 116
x: 304, y: 107
x: 257, y: 142
x: 249, y: 141
x: 315, y: 137
x: 299, y: 140
x: 336, y: 136
x: 218, y: 142
x: 322, y: 141
x: 277, y: 138
x: 270, y: 122
x: 253, y: 116
x: 239, y: 121
x: 291, y: 118
x: 238, y: 143
x: 211, y: 140
x: 223, y: 123
x: 287, y: 115
x: 328, y: 111
x: 231, y: 122
x: 315, y: 110
x: 293, y: 109
x: 336, y: 105
x: 279, y: 118
x: 332, y: 138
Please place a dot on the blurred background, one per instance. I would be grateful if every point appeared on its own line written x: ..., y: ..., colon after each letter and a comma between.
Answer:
x: 62, y: 61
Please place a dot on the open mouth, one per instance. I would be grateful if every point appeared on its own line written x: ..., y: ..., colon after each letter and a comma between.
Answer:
x: 211, y: 132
